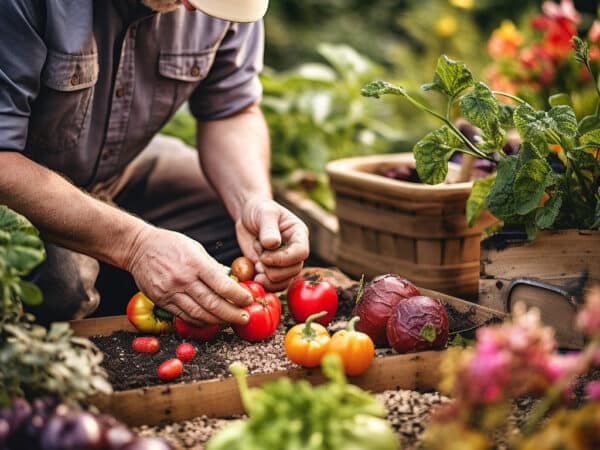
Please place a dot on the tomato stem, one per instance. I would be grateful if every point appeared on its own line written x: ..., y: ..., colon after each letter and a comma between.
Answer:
x: 307, y: 332
x: 361, y: 289
x: 352, y: 323
x: 162, y: 314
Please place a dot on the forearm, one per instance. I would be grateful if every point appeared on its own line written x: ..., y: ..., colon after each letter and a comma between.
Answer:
x: 235, y: 157
x: 64, y: 214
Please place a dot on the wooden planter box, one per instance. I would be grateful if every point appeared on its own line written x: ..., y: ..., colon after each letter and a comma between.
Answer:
x: 510, y: 269
x: 416, y: 230
x: 220, y: 397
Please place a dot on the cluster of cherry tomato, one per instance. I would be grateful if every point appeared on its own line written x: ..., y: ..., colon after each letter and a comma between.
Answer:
x: 171, y: 368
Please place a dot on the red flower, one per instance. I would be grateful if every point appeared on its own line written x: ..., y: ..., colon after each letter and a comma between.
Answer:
x: 565, y: 10
x: 594, y: 33
x: 537, y: 63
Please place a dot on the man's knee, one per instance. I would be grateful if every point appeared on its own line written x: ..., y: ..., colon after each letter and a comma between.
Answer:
x: 67, y: 281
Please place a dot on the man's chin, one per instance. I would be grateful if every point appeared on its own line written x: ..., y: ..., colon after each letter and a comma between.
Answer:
x: 162, y: 6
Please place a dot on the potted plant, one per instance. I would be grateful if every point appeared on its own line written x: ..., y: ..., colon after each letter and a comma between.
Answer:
x: 551, y: 183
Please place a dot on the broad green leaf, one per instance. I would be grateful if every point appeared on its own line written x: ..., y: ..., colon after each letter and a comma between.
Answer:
x: 529, y: 185
x: 500, y: 200
x: 563, y: 120
x: 451, y: 77
x: 378, y: 88
x: 481, y: 109
x: 24, y: 252
x: 29, y: 293
x: 11, y: 221
x: 347, y: 61
x: 531, y: 124
x: 591, y: 137
x: 433, y: 152
x: 476, y: 201
x: 589, y: 123
x: 546, y: 216
x: 505, y: 115
x: 560, y: 99
x: 596, y: 224
x: 532, y: 230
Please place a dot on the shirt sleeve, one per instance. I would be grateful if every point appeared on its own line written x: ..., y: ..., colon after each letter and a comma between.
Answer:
x: 22, y: 56
x: 232, y: 83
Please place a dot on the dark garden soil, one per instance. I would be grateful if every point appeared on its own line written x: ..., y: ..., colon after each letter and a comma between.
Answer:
x: 128, y: 369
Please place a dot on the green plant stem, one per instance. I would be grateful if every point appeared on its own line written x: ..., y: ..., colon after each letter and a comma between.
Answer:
x: 472, y: 149
x: 512, y: 97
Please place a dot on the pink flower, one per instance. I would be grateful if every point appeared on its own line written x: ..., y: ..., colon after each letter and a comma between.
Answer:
x: 592, y: 390
x: 594, y: 33
x: 588, y: 319
x: 564, y: 10
x: 559, y: 366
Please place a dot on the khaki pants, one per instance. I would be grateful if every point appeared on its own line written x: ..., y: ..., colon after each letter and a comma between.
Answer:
x: 165, y: 186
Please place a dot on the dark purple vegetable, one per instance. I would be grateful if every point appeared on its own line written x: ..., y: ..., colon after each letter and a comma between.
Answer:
x: 403, y: 173
x: 73, y: 431
x: 418, y: 323
x: 379, y: 298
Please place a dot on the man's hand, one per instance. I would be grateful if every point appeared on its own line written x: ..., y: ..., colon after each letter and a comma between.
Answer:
x: 275, y: 239
x: 182, y: 278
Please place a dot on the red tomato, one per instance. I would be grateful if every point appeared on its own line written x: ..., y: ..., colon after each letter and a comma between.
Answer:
x: 254, y: 288
x: 308, y: 296
x: 170, y: 369
x: 145, y: 344
x: 207, y: 333
x: 185, y: 352
x: 265, y: 314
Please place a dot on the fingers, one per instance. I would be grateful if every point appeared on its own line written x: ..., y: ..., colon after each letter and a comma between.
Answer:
x: 213, y: 277
x: 280, y: 274
x: 269, y: 285
x: 293, y: 252
x: 268, y: 230
x: 215, y: 305
x: 183, y: 306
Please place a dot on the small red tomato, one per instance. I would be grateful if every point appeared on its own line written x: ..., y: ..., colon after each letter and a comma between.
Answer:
x: 265, y: 314
x: 311, y: 295
x: 185, y: 330
x: 254, y: 288
x: 145, y: 344
x: 170, y: 369
x: 185, y: 352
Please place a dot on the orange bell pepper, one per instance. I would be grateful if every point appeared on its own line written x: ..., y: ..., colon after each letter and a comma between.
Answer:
x: 355, y: 348
x: 306, y: 343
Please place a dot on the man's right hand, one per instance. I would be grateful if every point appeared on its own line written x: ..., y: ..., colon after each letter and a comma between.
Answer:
x: 179, y: 275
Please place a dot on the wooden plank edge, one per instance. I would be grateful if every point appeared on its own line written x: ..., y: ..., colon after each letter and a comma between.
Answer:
x: 220, y: 397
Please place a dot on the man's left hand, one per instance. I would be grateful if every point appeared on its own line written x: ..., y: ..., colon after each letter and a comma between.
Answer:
x: 275, y: 240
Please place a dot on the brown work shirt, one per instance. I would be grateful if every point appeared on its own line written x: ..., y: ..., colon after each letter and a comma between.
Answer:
x: 85, y: 84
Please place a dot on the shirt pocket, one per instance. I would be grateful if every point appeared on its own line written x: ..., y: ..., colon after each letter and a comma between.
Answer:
x: 179, y: 73
x: 60, y: 112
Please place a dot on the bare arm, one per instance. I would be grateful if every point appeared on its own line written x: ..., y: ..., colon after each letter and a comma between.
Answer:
x: 235, y: 158
x: 64, y: 214
x: 172, y: 269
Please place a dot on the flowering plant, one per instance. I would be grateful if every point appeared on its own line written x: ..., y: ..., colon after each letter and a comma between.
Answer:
x: 516, y: 359
x: 537, y: 62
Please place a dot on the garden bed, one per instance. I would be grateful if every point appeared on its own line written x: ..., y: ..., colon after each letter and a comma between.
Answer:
x: 206, y: 387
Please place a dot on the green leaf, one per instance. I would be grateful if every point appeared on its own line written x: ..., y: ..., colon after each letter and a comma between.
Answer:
x: 505, y: 115
x: 546, y: 216
x: 24, y: 252
x: 428, y: 332
x: 563, y: 120
x: 30, y: 294
x: 500, y: 200
x: 433, y: 152
x: 10, y: 221
x: 451, y: 77
x: 531, y: 124
x: 589, y: 123
x: 378, y: 88
x: 481, y: 109
x: 591, y: 137
x: 560, y: 99
x: 476, y: 201
x: 529, y: 185
x: 596, y: 224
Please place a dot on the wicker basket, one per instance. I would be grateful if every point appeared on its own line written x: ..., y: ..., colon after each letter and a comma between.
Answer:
x: 416, y: 230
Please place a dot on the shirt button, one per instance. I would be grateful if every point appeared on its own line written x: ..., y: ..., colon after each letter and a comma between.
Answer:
x: 120, y: 92
x: 74, y: 80
x: 195, y: 71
